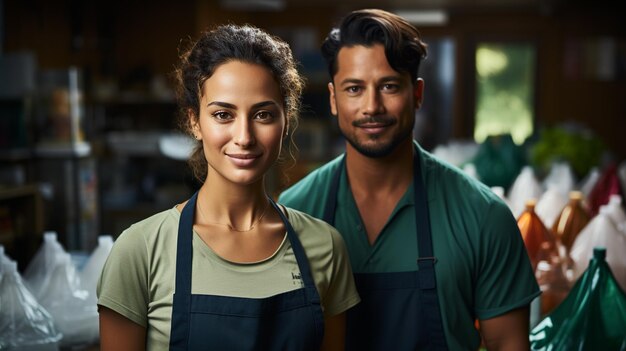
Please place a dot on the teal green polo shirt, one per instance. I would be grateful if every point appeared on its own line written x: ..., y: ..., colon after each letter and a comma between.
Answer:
x: 482, y: 267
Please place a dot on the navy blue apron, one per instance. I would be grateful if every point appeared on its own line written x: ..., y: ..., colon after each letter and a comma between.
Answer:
x: 289, y: 321
x: 398, y: 310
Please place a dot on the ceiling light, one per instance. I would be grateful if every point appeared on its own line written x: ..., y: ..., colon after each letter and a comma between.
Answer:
x: 424, y: 17
x: 253, y: 5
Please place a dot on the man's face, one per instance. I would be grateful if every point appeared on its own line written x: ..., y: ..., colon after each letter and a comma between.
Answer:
x: 375, y: 105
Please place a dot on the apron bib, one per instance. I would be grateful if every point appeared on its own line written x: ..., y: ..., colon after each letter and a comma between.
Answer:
x: 288, y: 321
x: 398, y: 310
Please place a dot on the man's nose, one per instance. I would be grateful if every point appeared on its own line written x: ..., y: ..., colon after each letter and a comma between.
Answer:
x: 373, y: 103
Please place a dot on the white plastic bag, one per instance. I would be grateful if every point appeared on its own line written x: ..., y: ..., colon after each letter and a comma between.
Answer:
x: 550, y: 205
x: 91, y: 272
x: 616, y: 212
x: 589, y: 182
x: 561, y: 178
x: 55, y: 283
x: 38, y: 269
x: 24, y: 324
x: 457, y: 152
x: 75, y: 315
x: 525, y: 187
x: 607, y: 229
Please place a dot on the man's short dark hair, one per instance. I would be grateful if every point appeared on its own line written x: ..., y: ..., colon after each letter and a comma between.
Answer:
x: 404, y: 48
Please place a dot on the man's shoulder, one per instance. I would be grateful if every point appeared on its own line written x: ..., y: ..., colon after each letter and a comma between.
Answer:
x: 446, y: 178
x: 310, y: 193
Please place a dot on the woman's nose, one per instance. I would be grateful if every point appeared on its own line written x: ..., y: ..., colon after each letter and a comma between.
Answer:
x: 243, y: 134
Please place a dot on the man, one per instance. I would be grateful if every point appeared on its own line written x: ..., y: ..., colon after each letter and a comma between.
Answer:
x: 432, y: 250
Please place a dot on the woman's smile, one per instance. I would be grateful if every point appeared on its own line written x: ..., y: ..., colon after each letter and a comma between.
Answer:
x: 243, y: 159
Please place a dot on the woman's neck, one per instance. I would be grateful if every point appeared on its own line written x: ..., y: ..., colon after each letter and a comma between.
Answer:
x: 231, y: 204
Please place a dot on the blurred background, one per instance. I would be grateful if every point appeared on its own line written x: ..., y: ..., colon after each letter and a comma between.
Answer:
x: 88, y: 122
x: 528, y: 96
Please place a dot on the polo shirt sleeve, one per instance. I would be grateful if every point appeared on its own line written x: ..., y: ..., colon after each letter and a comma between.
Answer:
x: 505, y: 280
x: 123, y: 283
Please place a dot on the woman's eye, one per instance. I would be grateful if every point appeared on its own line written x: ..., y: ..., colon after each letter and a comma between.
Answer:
x: 263, y: 116
x: 221, y: 115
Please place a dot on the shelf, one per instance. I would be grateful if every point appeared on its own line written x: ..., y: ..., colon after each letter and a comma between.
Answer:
x: 77, y: 149
x: 19, y: 191
x: 16, y: 155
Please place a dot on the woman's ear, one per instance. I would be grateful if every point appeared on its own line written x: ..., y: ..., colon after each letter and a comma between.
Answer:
x: 194, y: 124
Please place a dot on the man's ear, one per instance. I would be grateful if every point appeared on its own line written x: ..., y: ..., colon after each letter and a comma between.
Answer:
x: 333, y: 101
x: 418, y: 92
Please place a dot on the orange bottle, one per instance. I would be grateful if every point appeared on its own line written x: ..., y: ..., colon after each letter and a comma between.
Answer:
x: 540, y: 243
x: 571, y: 221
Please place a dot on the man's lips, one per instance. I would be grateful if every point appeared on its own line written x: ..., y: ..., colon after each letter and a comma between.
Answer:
x: 374, y: 125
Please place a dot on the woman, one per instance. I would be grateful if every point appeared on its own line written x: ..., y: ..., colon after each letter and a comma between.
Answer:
x: 248, y: 274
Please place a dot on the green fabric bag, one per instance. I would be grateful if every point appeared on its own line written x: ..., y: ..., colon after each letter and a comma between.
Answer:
x: 592, y: 316
x: 499, y: 161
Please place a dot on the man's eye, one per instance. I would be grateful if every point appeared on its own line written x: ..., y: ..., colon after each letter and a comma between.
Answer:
x: 390, y: 87
x: 353, y: 89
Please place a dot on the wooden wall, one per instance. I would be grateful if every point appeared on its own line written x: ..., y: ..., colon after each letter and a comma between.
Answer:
x: 114, y: 39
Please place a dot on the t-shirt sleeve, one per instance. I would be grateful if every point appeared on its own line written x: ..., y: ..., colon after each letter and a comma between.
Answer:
x: 123, y: 284
x: 341, y: 293
x: 505, y: 280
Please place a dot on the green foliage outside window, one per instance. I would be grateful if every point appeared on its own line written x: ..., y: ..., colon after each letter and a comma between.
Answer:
x: 504, y: 91
x: 581, y: 148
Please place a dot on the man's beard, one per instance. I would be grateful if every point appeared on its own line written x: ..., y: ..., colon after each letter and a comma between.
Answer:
x: 381, y: 149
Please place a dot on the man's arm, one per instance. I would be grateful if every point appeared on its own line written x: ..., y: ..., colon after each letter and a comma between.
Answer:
x: 508, y: 331
x: 118, y: 333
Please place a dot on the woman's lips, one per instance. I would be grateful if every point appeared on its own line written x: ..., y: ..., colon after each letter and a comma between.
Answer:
x: 243, y: 160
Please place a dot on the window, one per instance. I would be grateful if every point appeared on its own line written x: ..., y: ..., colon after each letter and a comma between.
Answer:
x: 505, y: 89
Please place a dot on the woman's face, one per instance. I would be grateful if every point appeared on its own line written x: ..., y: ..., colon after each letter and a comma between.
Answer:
x: 241, y: 122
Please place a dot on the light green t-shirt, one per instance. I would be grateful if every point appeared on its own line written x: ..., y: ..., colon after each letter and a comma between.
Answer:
x: 138, y: 277
x: 482, y: 267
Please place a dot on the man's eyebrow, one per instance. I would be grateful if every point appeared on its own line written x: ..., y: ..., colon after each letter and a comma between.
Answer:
x: 360, y: 81
x: 390, y: 79
x: 351, y: 81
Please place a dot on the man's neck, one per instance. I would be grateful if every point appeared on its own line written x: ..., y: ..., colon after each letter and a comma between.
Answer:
x: 382, y: 174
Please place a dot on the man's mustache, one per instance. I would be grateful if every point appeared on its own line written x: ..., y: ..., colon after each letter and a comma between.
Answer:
x: 374, y: 119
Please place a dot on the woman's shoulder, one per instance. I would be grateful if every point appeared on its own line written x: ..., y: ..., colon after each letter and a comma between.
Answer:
x: 152, y: 228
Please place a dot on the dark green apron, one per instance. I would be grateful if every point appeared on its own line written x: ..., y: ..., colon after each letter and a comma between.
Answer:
x: 399, y: 310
